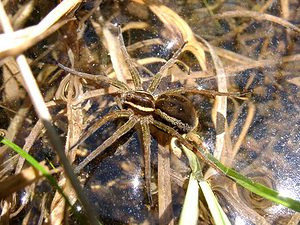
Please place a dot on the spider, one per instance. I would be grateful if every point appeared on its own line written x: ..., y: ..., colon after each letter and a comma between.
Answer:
x: 170, y: 112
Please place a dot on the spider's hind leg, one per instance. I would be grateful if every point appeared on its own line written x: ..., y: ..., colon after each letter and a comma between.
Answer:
x: 209, y: 93
x: 95, y: 126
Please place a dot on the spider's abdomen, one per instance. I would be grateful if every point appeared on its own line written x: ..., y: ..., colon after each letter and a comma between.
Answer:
x: 177, y: 111
x: 139, y: 101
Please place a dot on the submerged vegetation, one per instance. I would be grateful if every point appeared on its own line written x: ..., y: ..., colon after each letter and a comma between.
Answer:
x: 146, y: 112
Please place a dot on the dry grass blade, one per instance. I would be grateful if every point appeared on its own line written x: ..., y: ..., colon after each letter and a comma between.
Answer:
x: 175, y: 24
x: 257, y: 16
x: 285, y: 8
x: 18, y: 41
x: 164, y: 187
x: 16, y: 124
x: 16, y: 182
x: 75, y: 124
x: 220, y: 115
x: 232, y: 56
x: 28, y: 144
x: 267, y: 63
x: 116, y: 57
x: 241, y: 138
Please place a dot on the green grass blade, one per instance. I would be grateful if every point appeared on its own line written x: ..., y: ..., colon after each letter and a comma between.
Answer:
x: 35, y: 164
x: 252, y: 186
x: 190, y: 209
x: 214, y: 207
x: 189, y: 214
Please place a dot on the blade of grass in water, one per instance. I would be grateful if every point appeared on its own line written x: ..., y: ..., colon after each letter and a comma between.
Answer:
x: 189, y: 214
x: 35, y: 164
x: 32, y: 161
x: 216, y: 210
x: 211, y: 13
x: 252, y: 186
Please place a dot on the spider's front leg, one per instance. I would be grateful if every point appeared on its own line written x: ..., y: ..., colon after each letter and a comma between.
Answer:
x: 95, y: 126
x: 133, y: 120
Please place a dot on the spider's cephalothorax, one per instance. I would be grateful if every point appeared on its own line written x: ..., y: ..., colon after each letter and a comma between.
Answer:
x: 141, y: 102
x: 169, y: 113
x: 175, y: 110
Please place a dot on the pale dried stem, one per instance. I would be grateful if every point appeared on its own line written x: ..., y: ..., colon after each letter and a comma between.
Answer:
x: 219, y: 114
x: 113, y: 46
x: 14, y: 43
x: 285, y: 9
x: 165, y: 210
x: 242, y: 136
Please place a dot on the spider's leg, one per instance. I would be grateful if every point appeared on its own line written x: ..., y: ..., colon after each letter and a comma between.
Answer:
x: 109, y: 117
x: 133, y: 71
x: 210, y: 93
x: 172, y: 132
x: 92, y: 94
x: 108, y: 142
x: 146, y: 141
x: 99, y: 77
x: 157, y: 78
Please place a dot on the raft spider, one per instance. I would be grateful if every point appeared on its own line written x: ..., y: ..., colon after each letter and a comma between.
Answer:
x: 170, y: 112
